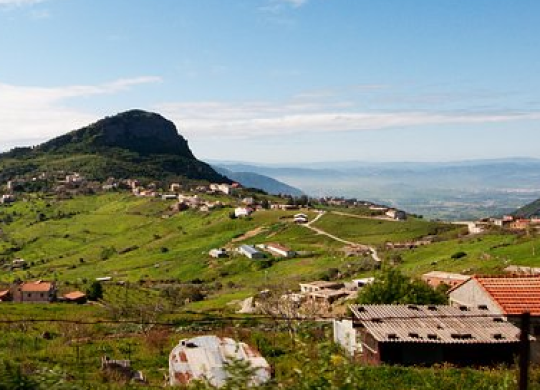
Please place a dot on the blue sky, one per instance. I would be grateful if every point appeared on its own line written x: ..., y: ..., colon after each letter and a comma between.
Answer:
x: 282, y: 80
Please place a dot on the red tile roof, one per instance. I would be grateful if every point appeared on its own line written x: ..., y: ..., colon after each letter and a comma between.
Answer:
x: 74, y: 295
x: 38, y: 286
x: 515, y: 295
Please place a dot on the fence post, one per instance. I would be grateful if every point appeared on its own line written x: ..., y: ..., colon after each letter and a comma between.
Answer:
x: 524, y: 351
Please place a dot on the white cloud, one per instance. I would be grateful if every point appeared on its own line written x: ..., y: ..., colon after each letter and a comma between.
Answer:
x: 17, y: 3
x: 295, y: 3
x: 29, y: 115
x: 260, y: 119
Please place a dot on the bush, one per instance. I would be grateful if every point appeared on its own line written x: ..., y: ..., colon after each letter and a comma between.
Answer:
x: 458, y: 255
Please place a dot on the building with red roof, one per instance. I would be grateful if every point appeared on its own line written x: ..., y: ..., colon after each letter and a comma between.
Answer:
x: 506, y: 295
x: 34, y: 292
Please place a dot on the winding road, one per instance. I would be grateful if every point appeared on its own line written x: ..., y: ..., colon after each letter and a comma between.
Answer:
x: 309, y: 225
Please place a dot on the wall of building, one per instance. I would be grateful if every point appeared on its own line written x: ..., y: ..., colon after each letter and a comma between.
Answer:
x: 471, y: 294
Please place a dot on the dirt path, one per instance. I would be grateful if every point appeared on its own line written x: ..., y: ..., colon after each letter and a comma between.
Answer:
x: 378, y: 218
x: 251, y: 233
x: 373, y: 250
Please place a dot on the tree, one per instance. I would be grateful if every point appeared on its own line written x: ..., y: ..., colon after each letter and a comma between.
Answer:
x: 95, y: 292
x: 392, y: 287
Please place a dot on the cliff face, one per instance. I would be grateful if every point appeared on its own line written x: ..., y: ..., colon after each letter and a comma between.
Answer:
x: 137, y: 131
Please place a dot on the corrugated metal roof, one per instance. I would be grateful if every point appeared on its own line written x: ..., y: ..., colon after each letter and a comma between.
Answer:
x: 249, y: 249
x: 434, y: 324
x: 206, y: 357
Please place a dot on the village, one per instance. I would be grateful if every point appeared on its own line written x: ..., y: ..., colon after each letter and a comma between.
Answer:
x: 481, y: 325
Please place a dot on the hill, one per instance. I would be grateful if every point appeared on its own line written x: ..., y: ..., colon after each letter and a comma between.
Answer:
x: 255, y: 180
x: 135, y: 143
x: 528, y: 210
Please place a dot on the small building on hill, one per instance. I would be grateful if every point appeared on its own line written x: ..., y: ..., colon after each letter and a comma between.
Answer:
x: 75, y: 297
x: 218, y: 253
x: 320, y: 285
x: 280, y: 250
x: 251, y: 252
x: 396, y: 214
x: 34, y: 292
x: 426, y: 335
x: 436, y: 278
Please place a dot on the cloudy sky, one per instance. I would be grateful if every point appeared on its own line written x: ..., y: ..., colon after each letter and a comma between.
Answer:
x: 281, y: 80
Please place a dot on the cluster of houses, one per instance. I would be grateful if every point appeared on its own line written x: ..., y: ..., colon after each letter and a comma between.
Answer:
x: 39, y: 292
x: 479, y: 327
x: 259, y: 251
x: 506, y: 222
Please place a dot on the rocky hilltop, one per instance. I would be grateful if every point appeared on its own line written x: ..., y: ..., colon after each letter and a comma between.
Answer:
x: 135, y: 143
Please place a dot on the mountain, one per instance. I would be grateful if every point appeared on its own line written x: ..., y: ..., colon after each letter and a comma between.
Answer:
x: 135, y: 143
x: 459, y: 190
x: 529, y: 210
x: 255, y: 180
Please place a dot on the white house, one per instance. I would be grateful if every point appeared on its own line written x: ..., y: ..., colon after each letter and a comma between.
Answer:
x: 218, y: 253
x: 280, y: 250
x: 242, y: 212
x: 250, y: 252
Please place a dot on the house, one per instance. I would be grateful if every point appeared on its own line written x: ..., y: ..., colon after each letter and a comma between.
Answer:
x: 426, y: 335
x: 436, y: 278
x: 361, y: 283
x: 520, y: 224
x: 328, y: 296
x: 75, y: 297
x: 509, y: 296
x: 398, y: 215
x: 175, y: 187
x: 320, y: 285
x: 206, y: 358
x: 242, y: 212
x: 169, y: 196
x: 250, y: 252
x: 7, y: 199
x: 34, y: 292
x: 227, y: 189
x: 248, y: 201
x: 300, y: 218
x: 280, y: 250
x: 218, y: 253
x: 18, y: 263
x: 503, y: 222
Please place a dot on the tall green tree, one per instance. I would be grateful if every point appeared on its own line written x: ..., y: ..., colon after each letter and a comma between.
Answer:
x: 95, y: 291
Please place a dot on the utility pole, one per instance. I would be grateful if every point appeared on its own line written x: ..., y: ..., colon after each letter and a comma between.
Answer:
x: 524, y: 351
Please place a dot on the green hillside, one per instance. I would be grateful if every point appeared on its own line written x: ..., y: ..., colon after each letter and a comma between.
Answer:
x: 133, y: 144
x: 527, y: 211
x: 128, y: 239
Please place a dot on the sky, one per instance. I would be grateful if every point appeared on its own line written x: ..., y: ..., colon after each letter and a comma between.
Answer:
x: 281, y: 81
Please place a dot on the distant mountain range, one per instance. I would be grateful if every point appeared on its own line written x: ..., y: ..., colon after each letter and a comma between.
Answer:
x: 135, y: 143
x: 255, y: 180
x: 448, y: 190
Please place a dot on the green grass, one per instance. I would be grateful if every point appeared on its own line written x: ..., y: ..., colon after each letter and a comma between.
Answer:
x: 376, y: 232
